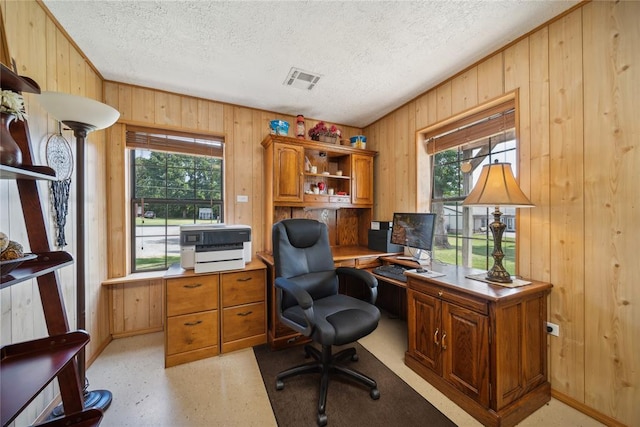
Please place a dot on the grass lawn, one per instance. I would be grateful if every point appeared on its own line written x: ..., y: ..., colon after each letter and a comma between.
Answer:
x: 481, y: 249
x: 160, y: 221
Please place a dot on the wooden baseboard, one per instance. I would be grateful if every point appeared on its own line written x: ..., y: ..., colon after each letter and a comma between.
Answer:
x: 587, y: 410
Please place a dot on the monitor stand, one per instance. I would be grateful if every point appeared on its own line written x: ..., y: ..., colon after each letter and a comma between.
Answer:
x: 417, y: 258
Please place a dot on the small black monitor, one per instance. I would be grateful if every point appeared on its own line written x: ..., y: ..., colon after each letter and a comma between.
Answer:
x: 414, y: 230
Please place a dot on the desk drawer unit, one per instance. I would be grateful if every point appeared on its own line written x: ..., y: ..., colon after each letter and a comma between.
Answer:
x: 192, y: 318
x: 191, y: 337
x: 243, y: 287
x: 244, y: 319
x: 192, y: 294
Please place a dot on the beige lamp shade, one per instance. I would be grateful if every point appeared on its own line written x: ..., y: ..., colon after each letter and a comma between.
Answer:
x: 497, y: 187
x: 73, y: 108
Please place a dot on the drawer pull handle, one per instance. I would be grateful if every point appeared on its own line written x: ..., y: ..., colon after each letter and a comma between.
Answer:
x: 197, y: 322
x: 435, y: 337
x: 444, y: 335
x: 244, y: 279
x: 193, y: 286
x: 245, y: 313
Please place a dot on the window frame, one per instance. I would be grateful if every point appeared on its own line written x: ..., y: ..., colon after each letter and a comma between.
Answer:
x: 440, y: 137
x: 177, y: 143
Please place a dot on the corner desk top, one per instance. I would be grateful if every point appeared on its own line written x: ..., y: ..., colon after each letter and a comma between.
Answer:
x: 455, y: 278
x: 340, y: 253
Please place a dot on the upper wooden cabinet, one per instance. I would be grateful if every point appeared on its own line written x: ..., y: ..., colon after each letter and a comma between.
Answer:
x: 328, y: 182
x: 288, y: 162
x: 345, y: 170
x: 361, y: 179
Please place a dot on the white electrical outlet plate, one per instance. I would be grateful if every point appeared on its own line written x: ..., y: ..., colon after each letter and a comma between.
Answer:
x: 553, y: 329
x: 242, y: 199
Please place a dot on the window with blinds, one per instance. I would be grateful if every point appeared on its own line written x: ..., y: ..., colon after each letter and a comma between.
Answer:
x: 176, y: 178
x: 458, y: 151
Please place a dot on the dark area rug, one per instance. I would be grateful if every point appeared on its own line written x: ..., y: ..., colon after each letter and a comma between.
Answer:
x: 348, y: 403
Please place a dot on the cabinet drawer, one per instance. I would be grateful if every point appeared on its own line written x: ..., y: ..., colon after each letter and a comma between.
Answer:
x: 243, y: 287
x: 345, y: 263
x: 243, y: 321
x: 476, y: 304
x: 192, y: 294
x: 192, y: 331
x: 369, y: 262
x: 339, y: 199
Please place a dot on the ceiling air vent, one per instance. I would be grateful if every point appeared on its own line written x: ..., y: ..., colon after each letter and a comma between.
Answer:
x: 301, y: 79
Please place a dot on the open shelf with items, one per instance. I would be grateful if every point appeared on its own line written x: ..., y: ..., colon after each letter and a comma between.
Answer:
x: 44, y: 263
x: 28, y: 367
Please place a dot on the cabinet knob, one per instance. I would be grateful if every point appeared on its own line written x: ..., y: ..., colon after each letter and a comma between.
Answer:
x: 439, y: 293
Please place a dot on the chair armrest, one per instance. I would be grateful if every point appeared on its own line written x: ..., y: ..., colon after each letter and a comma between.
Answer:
x: 302, y: 297
x: 364, y: 276
x: 360, y: 274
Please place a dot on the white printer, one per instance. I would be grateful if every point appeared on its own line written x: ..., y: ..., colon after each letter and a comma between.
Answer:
x: 214, y: 247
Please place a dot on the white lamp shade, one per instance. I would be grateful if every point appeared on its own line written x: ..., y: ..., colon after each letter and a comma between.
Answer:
x: 497, y: 187
x: 65, y: 107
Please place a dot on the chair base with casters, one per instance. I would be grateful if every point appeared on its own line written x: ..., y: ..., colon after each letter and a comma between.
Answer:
x: 325, y: 363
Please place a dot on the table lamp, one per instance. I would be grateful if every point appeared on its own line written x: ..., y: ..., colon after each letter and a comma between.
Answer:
x: 82, y: 115
x: 497, y: 187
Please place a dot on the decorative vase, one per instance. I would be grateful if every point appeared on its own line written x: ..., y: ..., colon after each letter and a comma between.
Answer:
x: 300, y: 130
x: 10, y: 153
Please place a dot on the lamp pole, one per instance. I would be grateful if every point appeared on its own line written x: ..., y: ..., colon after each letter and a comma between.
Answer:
x: 82, y: 115
x: 96, y: 398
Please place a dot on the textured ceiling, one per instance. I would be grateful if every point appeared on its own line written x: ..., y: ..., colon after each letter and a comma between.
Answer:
x: 373, y: 56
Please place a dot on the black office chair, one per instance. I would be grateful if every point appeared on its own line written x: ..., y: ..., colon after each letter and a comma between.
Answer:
x: 308, y: 302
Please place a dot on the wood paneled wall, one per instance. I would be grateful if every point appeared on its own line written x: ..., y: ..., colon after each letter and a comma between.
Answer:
x: 578, y: 98
x: 44, y: 53
x: 243, y: 129
x: 578, y: 92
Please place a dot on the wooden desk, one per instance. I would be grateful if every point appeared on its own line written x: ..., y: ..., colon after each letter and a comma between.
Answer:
x: 484, y: 346
x: 281, y: 336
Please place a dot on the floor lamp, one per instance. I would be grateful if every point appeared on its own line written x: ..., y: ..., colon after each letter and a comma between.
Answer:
x: 82, y: 115
x: 497, y: 187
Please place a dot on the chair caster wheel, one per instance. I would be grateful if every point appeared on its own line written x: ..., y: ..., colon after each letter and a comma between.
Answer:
x: 279, y: 385
x: 374, y: 393
x: 322, y: 420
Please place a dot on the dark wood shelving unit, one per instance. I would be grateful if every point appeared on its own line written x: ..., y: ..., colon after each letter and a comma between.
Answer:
x: 46, y: 262
x: 27, y: 172
x: 28, y: 367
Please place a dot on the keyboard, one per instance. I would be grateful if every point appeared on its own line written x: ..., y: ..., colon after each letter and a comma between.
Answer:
x: 392, y: 271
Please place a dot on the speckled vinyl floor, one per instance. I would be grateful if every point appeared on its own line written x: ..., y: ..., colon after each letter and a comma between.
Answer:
x: 227, y: 390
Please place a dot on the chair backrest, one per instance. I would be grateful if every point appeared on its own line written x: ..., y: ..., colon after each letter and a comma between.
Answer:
x: 301, y: 252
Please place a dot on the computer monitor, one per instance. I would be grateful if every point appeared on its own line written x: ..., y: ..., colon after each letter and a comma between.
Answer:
x: 414, y: 230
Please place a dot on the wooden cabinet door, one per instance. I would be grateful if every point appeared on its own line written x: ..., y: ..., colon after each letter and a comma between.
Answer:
x: 288, y: 163
x: 465, y: 351
x: 424, y: 329
x: 361, y: 179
